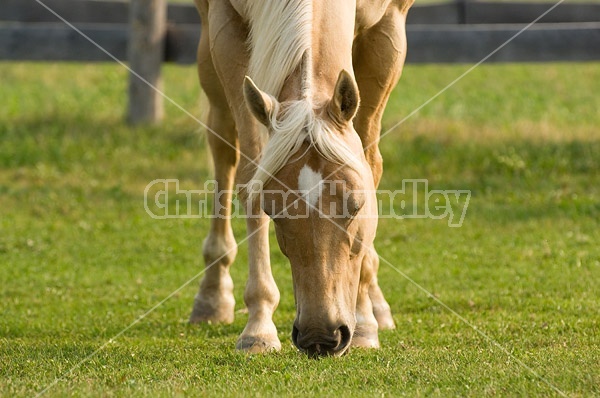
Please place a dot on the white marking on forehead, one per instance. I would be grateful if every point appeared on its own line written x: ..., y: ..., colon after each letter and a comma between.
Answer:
x: 310, y: 185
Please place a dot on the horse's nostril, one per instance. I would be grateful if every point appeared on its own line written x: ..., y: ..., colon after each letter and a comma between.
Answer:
x: 323, y: 345
x: 295, y: 333
x: 346, y: 337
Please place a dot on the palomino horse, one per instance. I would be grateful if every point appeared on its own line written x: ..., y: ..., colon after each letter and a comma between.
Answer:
x: 297, y: 67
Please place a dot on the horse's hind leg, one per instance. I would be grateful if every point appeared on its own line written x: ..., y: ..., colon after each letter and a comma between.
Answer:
x: 214, y: 301
x: 378, y: 57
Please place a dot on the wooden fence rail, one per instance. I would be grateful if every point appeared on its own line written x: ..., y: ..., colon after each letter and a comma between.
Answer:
x: 461, y: 31
x: 447, y: 32
x: 446, y: 43
x: 456, y: 12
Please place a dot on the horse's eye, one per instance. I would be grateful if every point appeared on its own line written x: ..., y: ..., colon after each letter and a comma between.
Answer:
x: 354, y: 202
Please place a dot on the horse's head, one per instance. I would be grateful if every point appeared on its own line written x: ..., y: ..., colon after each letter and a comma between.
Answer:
x: 318, y: 188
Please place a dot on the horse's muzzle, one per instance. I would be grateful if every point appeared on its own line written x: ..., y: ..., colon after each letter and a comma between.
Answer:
x: 317, y: 344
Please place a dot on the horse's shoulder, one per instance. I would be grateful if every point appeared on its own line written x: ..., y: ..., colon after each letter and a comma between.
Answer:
x: 239, y: 6
x: 371, y: 12
x: 403, y: 5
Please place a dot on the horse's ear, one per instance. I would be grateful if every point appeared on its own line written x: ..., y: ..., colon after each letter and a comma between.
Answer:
x: 259, y: 103
x: 345, y: 100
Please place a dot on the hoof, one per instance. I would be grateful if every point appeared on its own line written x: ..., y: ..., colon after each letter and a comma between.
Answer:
x: 365, y: 342
x: 212, y: 311
x: 384, y: 318
x: 257, y: 345
x: 365, y: 337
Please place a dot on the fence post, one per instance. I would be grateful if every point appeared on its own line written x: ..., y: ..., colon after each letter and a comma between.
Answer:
x: 147, y: 21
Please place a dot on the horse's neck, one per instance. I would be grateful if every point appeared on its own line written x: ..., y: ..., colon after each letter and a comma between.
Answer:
x: 333, y: 34
x: 330, y: 52
x: 327, y: 39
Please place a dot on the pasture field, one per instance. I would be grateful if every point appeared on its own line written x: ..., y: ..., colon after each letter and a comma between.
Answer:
x: 80, y: 260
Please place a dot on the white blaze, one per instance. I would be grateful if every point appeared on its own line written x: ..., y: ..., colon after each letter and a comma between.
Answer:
x: 310, y: 185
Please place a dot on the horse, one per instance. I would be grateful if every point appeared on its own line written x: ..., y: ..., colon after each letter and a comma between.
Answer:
x: 296, y: 92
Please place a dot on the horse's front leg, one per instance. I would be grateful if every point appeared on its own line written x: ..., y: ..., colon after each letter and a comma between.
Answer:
x: 365, y: 334
x: 261, y: 295
x: 381, y: 308
x: 378, y: 57
x: 227, y: 35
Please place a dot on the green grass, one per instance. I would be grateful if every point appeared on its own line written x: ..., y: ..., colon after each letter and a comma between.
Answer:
x: 80, y: 260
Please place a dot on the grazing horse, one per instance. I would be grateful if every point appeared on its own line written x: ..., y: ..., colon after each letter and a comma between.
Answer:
x: 283, y: 79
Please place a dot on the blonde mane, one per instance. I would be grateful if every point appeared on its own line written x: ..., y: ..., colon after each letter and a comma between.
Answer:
x: 280, y: 34
x: 280, y: 39
x: 297, y: 124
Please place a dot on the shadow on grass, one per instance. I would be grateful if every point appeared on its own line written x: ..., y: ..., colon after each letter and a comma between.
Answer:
x: 61, y: 139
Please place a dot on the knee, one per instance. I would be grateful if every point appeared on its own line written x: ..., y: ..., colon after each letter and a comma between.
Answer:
x: 219, y: 250
x: 375, y: 160
x: 262, y: 293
